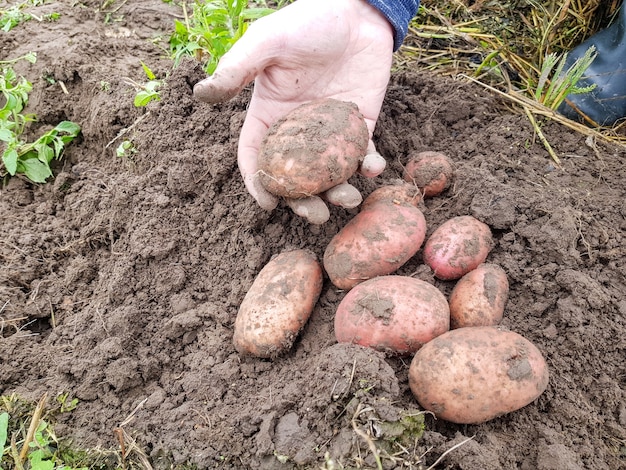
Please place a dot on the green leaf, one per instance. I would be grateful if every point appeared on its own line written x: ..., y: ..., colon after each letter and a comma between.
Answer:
x: 68, y: 127
x: 147, y: 71
x: 4, y: 427
x: 9, y: 158
x: 142, y: 98
x: 44, y: 153
x: 6, y: 135
x: 35, y: 170
x: 38, y: 461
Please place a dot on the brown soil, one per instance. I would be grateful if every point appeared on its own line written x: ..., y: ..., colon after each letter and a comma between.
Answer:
x: 120, y: 279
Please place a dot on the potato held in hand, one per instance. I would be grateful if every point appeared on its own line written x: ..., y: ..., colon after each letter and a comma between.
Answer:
x: 479, y: 297
x: 377, y: 241
x: 395, y: 314
x: 278, y: 304
x: 457, y: 246
x: 313, y: 148
x: 475, y: 374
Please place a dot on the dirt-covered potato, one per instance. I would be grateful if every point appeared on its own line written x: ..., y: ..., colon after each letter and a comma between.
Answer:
x: 479, y: 297
x: 458, y: 246
x: 316, y: 146
x: 471, y: 375
x: 394, y: 314
x: 377, y: 241
x: 278, y: 304
x: 400, y: 192
x: 430, y: 171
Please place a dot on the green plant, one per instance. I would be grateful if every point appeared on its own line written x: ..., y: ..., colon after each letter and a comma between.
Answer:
x: 148, y: 91
x: 126, y: 149
x: 212, y: 29
x: 552, y: 91
x: 15, y: 15
x: 20, y: 157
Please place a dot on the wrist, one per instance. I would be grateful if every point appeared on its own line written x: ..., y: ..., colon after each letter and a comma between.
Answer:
x: 398, y: 13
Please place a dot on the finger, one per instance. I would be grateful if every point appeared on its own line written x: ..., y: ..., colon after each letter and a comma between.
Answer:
x: 344, y: 195
x: 252, y: 133
x: 263, y: 197
x: 311, y: 208
x: 239, y: 66
x: 373, y: 163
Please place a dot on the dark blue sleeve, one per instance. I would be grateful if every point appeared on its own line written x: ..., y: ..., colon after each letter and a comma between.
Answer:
x: 399, y: 13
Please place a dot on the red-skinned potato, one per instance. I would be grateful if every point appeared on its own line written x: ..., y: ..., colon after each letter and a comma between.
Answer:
x: 316, y: 146
x: 457, y: 246
x: 394, y: 314
x: 474, y: 374
x: 278, y: 304
x: 432, y: 172
x: 479, y: 297
x: 402, y: 192
x: 377, y: 241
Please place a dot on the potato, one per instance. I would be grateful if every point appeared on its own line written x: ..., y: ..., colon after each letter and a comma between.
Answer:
x: 278, y: 304
x: 377, y: 241
x: 479, y: 297
x: 316, y: 146
x: 402, y: 192
x: 395, y: 314
x: 475, y: 374
x: 432, y: 172
x: 457, y: 246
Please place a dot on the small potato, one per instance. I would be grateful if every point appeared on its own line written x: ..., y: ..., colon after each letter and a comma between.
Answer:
x: 394, y: 314
x: 377, y: 241
x: 278, y: 304
x: 475, y: 374
x: 458, y: 246
x: 402, y: 192
x: 432, y: 172
x: 479, y: 297
x: 313, y: 148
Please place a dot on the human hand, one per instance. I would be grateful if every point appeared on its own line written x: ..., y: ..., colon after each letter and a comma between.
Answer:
x: 309, y: 50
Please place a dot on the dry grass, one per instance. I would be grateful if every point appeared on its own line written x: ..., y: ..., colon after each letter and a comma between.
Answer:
x: 504, y: 45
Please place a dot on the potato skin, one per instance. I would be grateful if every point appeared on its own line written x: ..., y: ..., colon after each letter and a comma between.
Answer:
x: 316, y: 146
x: 394, y: 314
x: 430, y: 171
x: 457, y: 246
x: 278, y: 304
x: 403, y: 192
x: 479, y: 297
x: 377, y: 241
x: 471, y: 375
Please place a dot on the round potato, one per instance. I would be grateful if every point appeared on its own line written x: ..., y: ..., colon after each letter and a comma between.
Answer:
x: 475, y: 374
x: 316, y: 146
x: 377, y: 241
x: 432, y: 172
x: 278, y: 304
x: 394, y: 314
x: 479, y: 297
x: 458, y: 246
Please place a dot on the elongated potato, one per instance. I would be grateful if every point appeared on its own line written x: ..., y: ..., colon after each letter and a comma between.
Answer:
x: 458, y: 246
x: 479, y: 297
x: 394, y: 314
x: 377, y: 241
x: 316, y: 146
x: 471, y: 375
x: 278, y: 304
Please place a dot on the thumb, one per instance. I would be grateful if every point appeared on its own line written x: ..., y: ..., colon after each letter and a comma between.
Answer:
x: 238, y: 67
